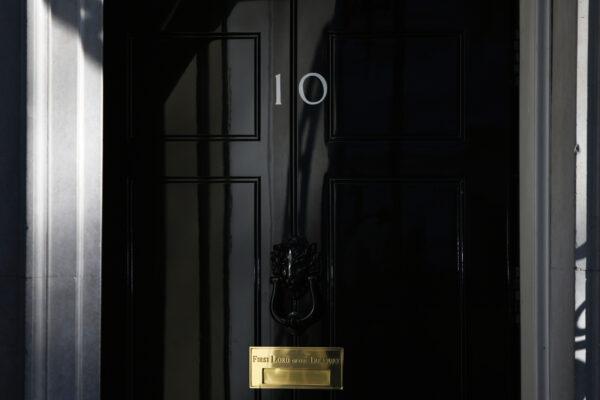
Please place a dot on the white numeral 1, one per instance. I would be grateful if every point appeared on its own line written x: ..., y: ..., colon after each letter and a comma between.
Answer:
x: 278, y: 89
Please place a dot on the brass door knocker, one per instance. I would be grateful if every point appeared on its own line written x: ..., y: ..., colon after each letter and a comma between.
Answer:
x: 295, y: 266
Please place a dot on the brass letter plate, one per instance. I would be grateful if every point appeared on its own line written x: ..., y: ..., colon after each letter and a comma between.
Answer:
x: 296, y: 367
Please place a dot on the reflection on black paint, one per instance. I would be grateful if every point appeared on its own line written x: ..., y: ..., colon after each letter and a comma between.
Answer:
x: 201, y: 90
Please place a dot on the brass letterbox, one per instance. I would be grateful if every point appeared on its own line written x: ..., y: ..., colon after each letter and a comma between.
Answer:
x: 296, y: 367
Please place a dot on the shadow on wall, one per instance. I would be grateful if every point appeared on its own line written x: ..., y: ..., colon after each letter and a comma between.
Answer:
x: 581, y: 344
x: 82, y: 20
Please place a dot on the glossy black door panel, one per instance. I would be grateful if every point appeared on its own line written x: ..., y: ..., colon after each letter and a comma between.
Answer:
x: 206, y: 85
x: 208, y: 265
x: 191, y: 164
x: 404, y: 176
x: 396, y: 248
x: 379, y: 91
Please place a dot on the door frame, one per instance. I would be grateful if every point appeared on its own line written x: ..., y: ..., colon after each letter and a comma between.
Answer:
x: 547, y: 92
x: 63, y: 260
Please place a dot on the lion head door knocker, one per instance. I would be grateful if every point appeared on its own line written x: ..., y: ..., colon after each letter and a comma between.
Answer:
x: 295, y: 301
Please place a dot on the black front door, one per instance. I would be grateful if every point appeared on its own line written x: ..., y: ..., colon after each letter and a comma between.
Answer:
x: 382, y: 131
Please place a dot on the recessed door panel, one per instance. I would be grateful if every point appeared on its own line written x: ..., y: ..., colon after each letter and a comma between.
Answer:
x: 209, y: 314
x: 396, y: 86
x: 398, y: 282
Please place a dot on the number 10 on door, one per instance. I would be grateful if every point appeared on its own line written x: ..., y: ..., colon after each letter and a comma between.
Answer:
x: 301, y: 92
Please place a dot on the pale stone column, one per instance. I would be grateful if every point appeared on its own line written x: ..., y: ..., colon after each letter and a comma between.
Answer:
x: 64, y: 193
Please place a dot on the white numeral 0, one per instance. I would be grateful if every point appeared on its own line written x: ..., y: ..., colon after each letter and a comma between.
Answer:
x: 301, y: 88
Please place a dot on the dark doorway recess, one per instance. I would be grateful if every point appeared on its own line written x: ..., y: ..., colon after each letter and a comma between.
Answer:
x: 404, y: 175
